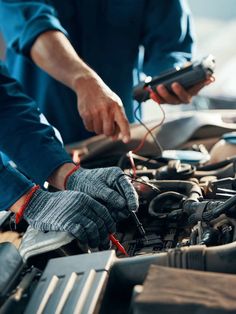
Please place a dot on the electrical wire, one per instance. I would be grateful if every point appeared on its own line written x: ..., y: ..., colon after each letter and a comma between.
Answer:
x: 158, y: 145
x: 149, y: 132
x: 131, y: 159
x: 141, y: 180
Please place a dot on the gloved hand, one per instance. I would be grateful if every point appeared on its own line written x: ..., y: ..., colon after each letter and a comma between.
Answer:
x: 109, y: 186
x: 74, y: 212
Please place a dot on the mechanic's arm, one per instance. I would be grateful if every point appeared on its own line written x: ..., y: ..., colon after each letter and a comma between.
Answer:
x: 74, y: 212
x: 168, y: 40
x: 34, y: 148
x: 36, y: 151
x: 36, y: 32
x: 100, y: 108
x: 23, y: 138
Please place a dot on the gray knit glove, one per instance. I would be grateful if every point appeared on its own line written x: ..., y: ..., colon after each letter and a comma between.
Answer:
x: 74, y: 212
x: 109, y: 186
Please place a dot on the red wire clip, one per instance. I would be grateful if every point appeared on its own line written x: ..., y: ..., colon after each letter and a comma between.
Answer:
x: 118, y: 245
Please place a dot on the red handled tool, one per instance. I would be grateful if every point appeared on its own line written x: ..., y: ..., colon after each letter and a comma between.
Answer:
x: 118, y: 245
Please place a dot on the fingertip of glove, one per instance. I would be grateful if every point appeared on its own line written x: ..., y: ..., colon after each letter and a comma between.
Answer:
x: 133, y: 203
x: 105, y: 245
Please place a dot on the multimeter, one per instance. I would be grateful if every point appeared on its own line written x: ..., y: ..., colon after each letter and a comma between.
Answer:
x: 187, y: 76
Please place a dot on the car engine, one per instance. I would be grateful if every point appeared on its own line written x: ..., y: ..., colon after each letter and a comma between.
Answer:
x: 186, y: 219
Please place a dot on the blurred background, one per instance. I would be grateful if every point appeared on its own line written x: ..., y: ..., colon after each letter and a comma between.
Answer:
x: 215, y: 22
x: 215, y: 25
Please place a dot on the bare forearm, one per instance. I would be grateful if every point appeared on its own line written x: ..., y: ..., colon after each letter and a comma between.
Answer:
x: 58, y: 177
x: 53, y: 52
x: 100, y: 109
x: 18, y: 204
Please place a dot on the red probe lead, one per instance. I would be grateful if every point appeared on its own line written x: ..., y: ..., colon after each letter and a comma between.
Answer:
x: 118, y: 245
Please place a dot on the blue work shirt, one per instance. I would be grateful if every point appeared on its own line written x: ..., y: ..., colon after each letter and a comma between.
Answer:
x: 107, y: 35
x: 30, y: 144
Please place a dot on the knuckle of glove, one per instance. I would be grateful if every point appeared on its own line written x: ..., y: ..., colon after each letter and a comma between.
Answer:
x: 113, y: 174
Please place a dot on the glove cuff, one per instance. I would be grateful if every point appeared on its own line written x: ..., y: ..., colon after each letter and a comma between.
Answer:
x: 69, y: 174
x: 21, y: 210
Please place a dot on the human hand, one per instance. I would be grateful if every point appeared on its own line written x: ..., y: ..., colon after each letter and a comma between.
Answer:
x: 101, y: 109
x: 75, y: 212
x: 179, y: 94
x: 109, y: 186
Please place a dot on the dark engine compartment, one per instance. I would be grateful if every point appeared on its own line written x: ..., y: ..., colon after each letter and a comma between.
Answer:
x: 183, y: 204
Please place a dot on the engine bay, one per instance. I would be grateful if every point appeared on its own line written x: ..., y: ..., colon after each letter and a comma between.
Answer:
x: 181, y: 205
x: 185, y: 201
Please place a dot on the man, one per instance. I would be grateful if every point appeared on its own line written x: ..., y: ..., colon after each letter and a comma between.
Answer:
x: 56, y: 35
x: 91, y: 205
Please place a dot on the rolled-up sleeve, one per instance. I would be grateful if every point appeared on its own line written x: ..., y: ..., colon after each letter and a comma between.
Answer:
x: 167, y: 35
x: 23, y: 21
x: 29, y: 143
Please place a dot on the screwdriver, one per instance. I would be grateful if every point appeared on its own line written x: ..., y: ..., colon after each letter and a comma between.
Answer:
x: 118, y: 244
